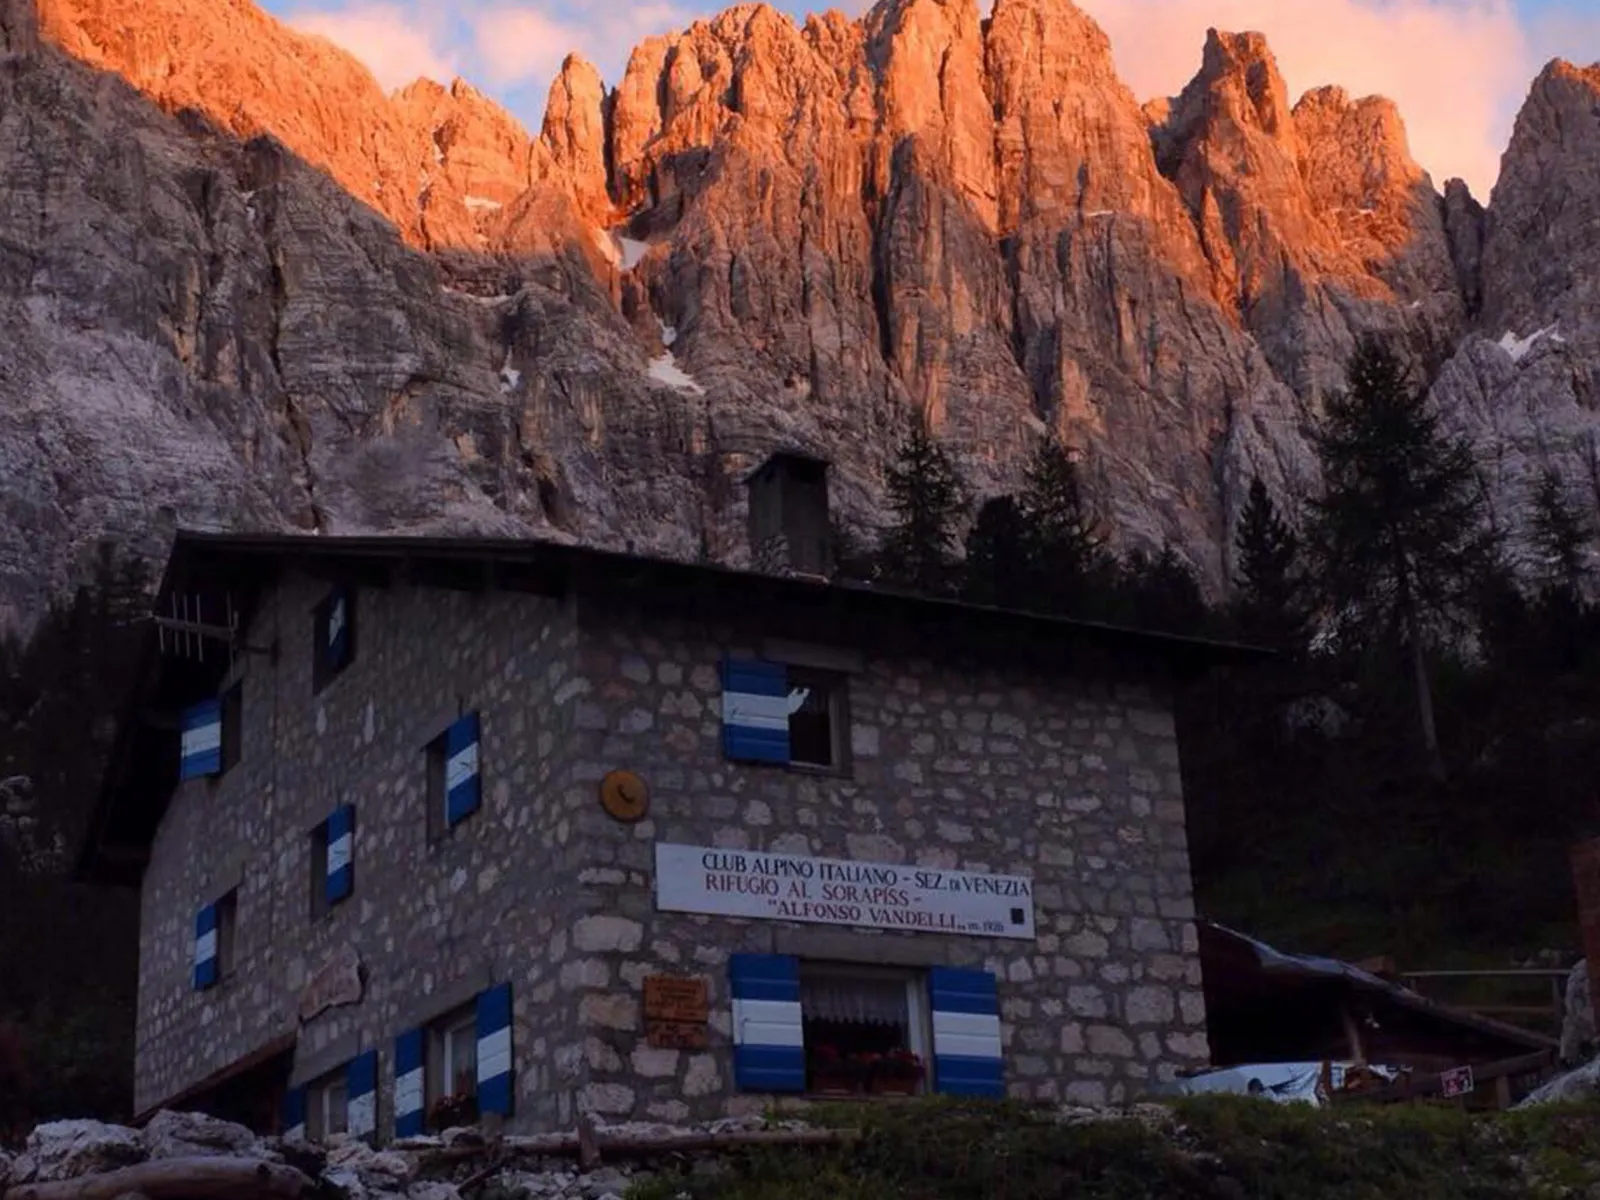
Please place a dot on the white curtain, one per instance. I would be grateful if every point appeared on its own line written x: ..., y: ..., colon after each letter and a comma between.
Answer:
x: 882, y: 1001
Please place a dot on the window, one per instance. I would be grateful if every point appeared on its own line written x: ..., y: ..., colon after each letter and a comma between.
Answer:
x: 232, y: 724
x: 454, y: 782
x: 866, y: 1029
x: 328, y: 1105
x: 775, y: 713
x: 227, y: 910
x: 333, y: 860
x: 819, y: 721
x: 335, y: 637
x: 451, y: 1070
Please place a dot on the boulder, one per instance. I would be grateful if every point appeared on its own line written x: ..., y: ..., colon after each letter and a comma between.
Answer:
x: 1577, y: 1029
x: 187, y: 1135
x: 353, y: 1161
x: 67, y: 1149
x: 1574, y: 1087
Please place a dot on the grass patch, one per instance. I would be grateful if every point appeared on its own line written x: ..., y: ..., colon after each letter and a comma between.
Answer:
x: 1212, y: 1148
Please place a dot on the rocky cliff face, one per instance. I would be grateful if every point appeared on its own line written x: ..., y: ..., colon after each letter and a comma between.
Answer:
x: 361, y: 311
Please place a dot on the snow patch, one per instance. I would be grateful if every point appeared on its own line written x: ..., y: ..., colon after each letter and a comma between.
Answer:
x: 482, y: 204
x: 633, y: 251
x: 1518, y: 348
x: 509, y: 376
x: 666, y: 370
x: 476, y: 299
x: 669, y: 333
x: 1100, y: 212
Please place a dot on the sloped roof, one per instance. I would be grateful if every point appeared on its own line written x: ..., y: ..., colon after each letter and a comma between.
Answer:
x: 231, y: 570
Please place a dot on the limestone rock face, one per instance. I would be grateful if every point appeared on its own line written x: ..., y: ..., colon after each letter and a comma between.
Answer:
x: 1524, y: 385
x: 246, y: 288
x: 574, y: 137
x: 1318, y: 224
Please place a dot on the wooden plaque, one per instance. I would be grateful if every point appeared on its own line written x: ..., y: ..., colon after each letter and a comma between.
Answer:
x: 667, y: 998
x: 675, y: 1012
x: 676, y: 1035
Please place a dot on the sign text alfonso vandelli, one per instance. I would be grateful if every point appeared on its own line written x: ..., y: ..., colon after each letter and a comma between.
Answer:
x: 833, y: 891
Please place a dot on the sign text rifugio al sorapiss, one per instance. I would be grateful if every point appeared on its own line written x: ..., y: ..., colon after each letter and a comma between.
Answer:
x: 832, y: 891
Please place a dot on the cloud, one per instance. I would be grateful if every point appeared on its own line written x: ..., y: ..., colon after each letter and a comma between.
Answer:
x: 1457, y: 69
x: 388, y: 39
x: 518, y: 46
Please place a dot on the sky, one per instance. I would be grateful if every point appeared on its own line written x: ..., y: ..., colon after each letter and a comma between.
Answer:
x: 1459, y: 69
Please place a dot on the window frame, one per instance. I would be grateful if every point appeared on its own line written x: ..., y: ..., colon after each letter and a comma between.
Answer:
x: 837, y: 684
x: 232, y: 744
x: 227, y: 909
x: 919, y: 1008
x: 319, y: 870
x: 436, y: 782
x: 438, y: 1056
x: 436, y: 794
x: 322, y: 672
x: 320, y: 906
x: 318, y: 1093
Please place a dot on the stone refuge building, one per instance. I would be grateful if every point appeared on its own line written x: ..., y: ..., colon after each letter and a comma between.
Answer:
x: 434, y: 830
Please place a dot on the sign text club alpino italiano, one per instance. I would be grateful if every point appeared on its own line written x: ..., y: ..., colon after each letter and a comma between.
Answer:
x: 831, y: 891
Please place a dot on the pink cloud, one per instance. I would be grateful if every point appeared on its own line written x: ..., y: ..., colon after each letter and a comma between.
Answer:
x: 517, y: 46
x: 388, y: 39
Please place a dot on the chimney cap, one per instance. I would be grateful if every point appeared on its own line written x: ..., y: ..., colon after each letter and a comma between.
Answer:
x: 797, y: 457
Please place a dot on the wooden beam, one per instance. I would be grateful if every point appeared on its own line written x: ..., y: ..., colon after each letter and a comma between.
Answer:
x: 209, y: 1178
x: 1424, y: 1086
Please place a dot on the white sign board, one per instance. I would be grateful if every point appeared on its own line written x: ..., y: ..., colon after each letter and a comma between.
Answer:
x: 832, y: 891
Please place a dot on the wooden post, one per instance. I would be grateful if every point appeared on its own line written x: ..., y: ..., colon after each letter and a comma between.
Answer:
x: 1352, y: 1033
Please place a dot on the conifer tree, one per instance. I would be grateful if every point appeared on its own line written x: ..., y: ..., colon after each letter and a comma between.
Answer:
x: 927, y: 498
x: 1398, y: 536
x: 1271, y: 590
x: 1160, y: 592
x: 998, y: 566
x: 1561, y: 539
x: 1066, y: 547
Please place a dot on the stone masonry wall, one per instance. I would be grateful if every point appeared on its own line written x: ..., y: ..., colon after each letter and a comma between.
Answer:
x: 489, y: 902
x: 1074, y: 782
x: 969, y: 764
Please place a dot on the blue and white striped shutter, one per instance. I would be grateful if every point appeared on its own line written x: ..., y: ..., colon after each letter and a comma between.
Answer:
x: 494, y: 1050
x: 338, y: 648
x: 341, y: 854
x: 408, y: 1091
x: 462, y: 780
x: 202, y: 741
x: 769, y: 1052
x: 205, y: 948
x: 755, y: 711
x: 966, y: 1032
x: 361, y: 1086
x: 294, y: 1114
